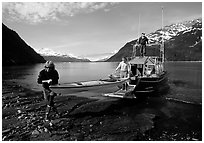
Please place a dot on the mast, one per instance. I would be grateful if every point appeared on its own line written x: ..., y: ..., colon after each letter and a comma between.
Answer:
x: 139, y: 28
x: 162, y: 45
x: 138, y: 34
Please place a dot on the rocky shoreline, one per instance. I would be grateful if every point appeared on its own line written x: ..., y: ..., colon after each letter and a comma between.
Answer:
x: 85, y: 119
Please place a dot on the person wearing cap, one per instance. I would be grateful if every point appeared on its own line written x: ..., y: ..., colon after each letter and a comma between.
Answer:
x: 48, y: 76
x: 143, y: 40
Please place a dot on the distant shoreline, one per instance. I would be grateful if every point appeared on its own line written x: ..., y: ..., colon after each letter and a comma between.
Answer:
x: 97, y: 62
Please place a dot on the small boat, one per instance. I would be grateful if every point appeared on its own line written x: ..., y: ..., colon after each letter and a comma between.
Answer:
x: 102, y: 85
x: 148, y: 73
x: 147, y: 76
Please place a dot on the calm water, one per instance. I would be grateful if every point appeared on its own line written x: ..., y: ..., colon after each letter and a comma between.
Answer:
x: 68, y: 72
x: 185, y: 78
x: 190, y: 72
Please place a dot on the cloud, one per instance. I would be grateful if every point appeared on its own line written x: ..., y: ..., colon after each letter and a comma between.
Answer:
x: 37, y: 12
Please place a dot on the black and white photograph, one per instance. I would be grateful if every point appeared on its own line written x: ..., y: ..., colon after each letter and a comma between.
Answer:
x: 101, y: 71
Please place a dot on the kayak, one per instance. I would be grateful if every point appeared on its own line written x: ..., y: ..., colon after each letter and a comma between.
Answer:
x: 101, y: 85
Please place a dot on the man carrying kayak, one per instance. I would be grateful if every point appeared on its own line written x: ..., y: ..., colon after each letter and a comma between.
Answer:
x: 48, y: 76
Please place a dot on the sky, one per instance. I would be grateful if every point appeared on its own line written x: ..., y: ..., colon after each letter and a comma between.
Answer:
x: 91, y: 29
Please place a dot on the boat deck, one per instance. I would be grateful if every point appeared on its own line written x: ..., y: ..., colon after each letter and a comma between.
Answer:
x: 122, y: 93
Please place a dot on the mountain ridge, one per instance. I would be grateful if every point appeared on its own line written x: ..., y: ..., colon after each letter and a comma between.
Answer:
x: 15, y: 51
x: 174, y: 35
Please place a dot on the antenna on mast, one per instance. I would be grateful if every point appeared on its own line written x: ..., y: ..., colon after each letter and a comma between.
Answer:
x: 139, y: 28
x: 162, y: 45
x: 137, y: 41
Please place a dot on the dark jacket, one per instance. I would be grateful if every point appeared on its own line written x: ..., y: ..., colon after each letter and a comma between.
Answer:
x: 44, y: 75
x: 143, y: 41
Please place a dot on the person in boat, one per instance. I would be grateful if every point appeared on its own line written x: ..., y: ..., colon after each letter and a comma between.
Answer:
x: 48, y: 76
x: 124, y: 69
x: 153, y: 70
x: 129, y: 74
x: 143, y: 40
x: 148, y: 70
x: 138, y: 73
x: 129, y: 67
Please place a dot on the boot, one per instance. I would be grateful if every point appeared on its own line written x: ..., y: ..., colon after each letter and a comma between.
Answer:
x: 47, y: 112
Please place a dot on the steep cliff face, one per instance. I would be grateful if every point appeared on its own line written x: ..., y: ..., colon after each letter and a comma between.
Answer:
x: 183, y: 42
x: 15, y: 51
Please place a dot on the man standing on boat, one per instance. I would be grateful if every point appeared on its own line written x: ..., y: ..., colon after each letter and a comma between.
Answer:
x: 143, y: 40
x: 48, y: 76
x: 124, y: 70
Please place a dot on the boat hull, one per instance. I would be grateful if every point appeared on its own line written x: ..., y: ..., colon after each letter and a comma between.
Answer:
x: 103, y: 86
x: 150, y: 84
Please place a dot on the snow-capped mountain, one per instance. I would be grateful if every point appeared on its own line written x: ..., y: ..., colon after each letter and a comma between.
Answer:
x: 183, y: 41
x: 172, y: 30
x: 100, y: 57
x: 46, y: 52
x: 50, y: 54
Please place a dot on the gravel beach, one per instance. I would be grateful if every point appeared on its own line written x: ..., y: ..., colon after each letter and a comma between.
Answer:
x: 85, y: 119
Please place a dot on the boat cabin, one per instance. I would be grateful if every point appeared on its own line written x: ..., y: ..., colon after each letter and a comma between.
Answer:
x: 146, y: 66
